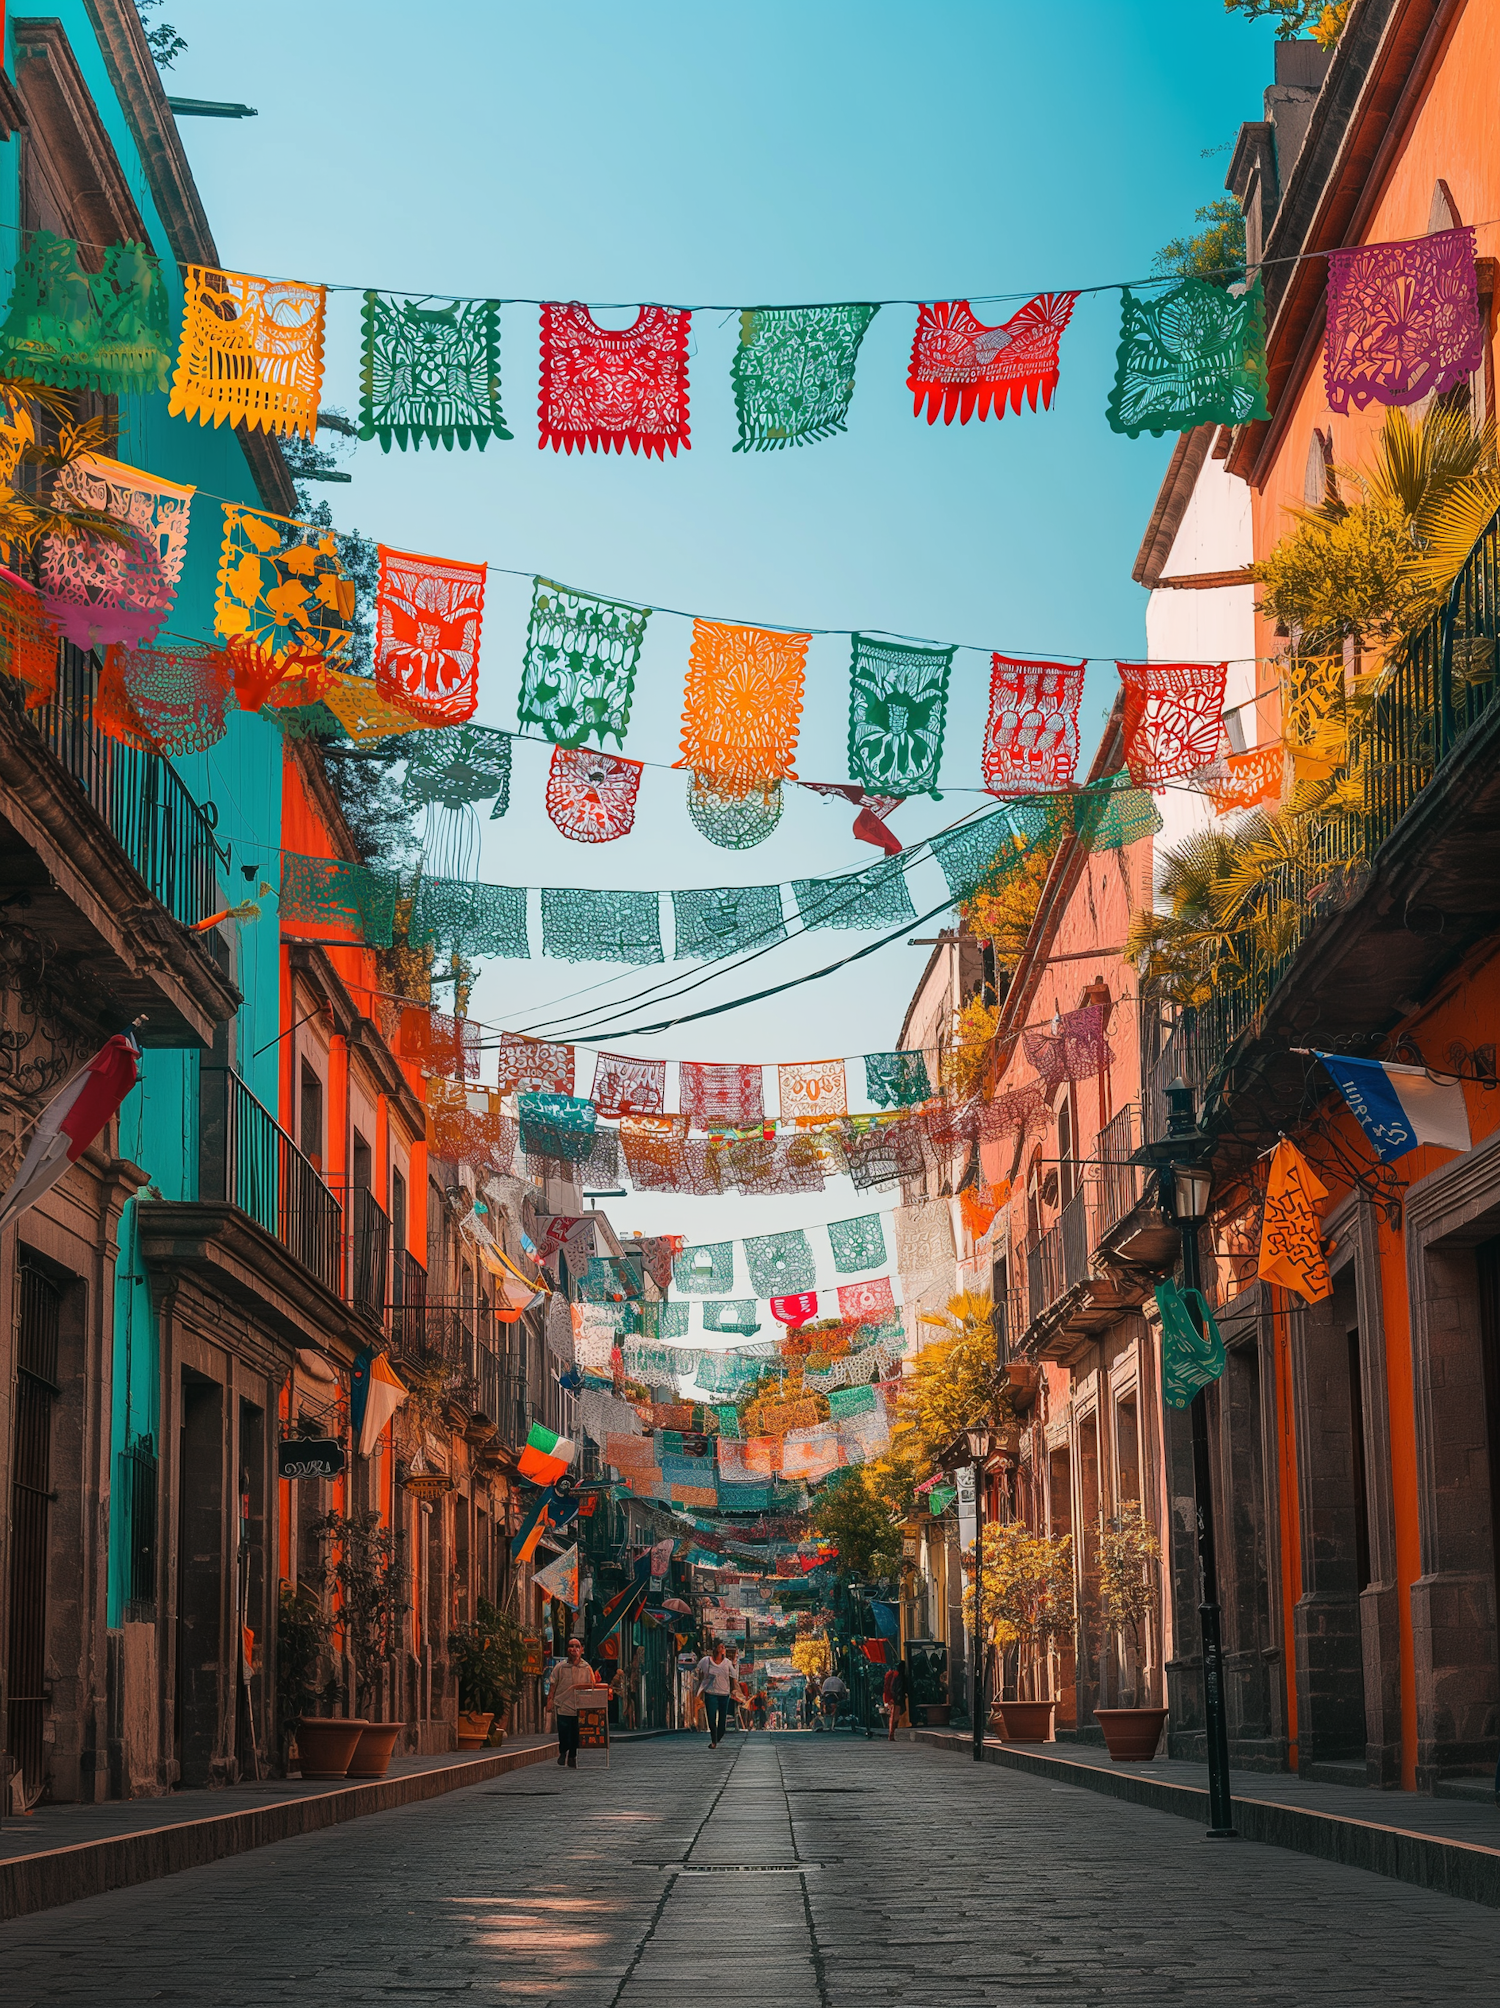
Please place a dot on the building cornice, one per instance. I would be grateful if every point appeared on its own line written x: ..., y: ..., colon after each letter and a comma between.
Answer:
x: 137, y: 84
x: 1380, y: 69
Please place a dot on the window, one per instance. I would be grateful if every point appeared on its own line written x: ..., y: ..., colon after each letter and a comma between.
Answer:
x: 398, y: 1210
x: 1315, y: 479
x: 363, y: 1164
x: 310, y: 1116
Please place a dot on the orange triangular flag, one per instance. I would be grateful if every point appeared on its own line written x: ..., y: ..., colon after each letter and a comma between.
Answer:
x: 1291, y: 1251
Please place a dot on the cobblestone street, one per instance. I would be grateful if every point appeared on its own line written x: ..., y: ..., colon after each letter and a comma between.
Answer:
x: 796, y: 1870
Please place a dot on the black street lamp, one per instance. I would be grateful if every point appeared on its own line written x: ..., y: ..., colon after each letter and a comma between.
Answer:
x: 979, y: 1449
x: 1181, y: 1161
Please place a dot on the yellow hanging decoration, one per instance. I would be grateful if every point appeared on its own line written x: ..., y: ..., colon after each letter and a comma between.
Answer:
x: 363, y: 712
x: 251, y: 352
x: 1291, y: 1250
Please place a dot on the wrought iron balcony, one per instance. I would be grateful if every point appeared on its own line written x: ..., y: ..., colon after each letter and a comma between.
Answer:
x: 1421, y: 730
x: 166, y: 835
x: 370, y: 1250
x: 246, y: 1158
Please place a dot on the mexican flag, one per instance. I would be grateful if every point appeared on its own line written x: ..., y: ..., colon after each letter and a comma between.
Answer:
x: 70, y: 1122
x: 545, y: 1456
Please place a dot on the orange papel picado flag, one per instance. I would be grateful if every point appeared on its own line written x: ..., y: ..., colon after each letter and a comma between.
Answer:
x: 1291, y: 1251
x: 251, y: 352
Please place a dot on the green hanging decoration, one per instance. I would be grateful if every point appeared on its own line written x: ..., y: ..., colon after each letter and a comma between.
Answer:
x: 737, y: 1315
x: 705, y: 1271
x: 977, y: 854
x: 1111, y: 814
x: 780, y: 1264
x: 578, y: 673
x: 794, y: 373
x: 726, y: 921
x: 331, y: 893
x: 898, y: 701
x: 663, y: 1321
x: 1194, y: 356
x: 485, y: 920
x: 877, y: 897
x: 456, y: 765
x: 847, y: 1401
x: 896, y: 1080
x: 429, y: 372
x: 860, y: 1243
x: 103, y: 331
x: 586, y: 926
x: 1190, y: 1358
x: 734, y: 823
x: 729, y: 1421
x: 557, y: 1126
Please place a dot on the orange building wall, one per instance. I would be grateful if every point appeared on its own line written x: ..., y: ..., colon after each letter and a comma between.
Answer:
x: 1453, y: 137
x: 304, y: 832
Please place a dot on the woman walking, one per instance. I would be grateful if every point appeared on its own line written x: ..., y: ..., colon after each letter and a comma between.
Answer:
x: 895, y: 1693
x: 715, y: 1677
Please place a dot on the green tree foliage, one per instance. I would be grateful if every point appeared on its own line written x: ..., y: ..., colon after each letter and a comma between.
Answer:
x: 303, y: 1635
x: 364, y: 1568
x: 1216, y: 252
x: 164, y: 42
x: 488, y: 1659
x: 1322, y: 19
x: 851, y: 1512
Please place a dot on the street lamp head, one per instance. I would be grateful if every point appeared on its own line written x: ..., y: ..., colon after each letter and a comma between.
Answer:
x: 979, y: 1442
x: 1180, y: 1119
x: 1192, y: 1185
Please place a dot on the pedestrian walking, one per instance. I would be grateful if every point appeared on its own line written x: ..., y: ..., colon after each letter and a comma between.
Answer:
x: 813, y: 1703
x: 831, y: 1698
x: 895, y: 1697
x: 572, y: 1679
x: 715, y: 1677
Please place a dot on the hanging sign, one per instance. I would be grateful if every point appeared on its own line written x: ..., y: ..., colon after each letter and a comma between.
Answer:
x: 967, y: 1508
x: 310, y: 1457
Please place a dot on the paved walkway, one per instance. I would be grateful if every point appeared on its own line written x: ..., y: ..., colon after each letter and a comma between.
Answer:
x: 788, y: 1871
x: 67, y: 1826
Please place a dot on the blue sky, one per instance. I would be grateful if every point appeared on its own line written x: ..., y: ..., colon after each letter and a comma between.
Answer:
x: 743, y: 155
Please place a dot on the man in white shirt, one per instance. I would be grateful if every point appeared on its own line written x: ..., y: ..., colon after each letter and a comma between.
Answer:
x: 572, y: 1681
x: 714, y: 1675
x: 832, y: 1698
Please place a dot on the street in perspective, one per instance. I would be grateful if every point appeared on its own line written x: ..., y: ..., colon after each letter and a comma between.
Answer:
x: 515, y: 1483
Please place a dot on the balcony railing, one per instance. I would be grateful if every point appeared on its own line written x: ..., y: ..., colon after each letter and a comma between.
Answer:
x: 165, y: 834
x: 247, y: 1158
x: 370, y: 1253
x: 1116, y: 1186
x: 1059, y: 1259
x: 408, y: 1305
x: 1444, y: 684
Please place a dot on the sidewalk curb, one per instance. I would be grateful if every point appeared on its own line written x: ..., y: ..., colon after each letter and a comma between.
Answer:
x: 29, y: 1883
x: 1455, y: 1868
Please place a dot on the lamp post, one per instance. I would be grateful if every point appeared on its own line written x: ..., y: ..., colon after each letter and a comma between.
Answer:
x: 979, y: 1450
x: 1186, y: 1186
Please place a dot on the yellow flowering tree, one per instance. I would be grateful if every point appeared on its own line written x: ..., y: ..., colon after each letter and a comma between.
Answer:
x: 1027, y: 1589
x: 1129, y: 1586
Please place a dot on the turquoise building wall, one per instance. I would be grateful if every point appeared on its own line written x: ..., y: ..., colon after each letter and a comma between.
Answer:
x: 240, y: 777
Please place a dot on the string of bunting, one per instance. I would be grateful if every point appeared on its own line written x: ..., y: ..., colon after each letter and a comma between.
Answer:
x: 1403, y: 323
x: 581, y: 924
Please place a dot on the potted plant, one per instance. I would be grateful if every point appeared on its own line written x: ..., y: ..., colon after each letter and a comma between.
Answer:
x: 365, y: 1569
x: 304, y: 1632
x: 1028, y: 1602
x: 1129, y: 1597
x: 488, y: 1660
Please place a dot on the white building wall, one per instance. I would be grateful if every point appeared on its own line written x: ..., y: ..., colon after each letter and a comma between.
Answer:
x: 1212, y: 625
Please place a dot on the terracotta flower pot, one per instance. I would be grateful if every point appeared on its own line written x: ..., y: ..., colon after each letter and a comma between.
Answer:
x: 473, y: 1729
x: 326, y: 1743
x: 1131, y: 1734
x: 1026, y: 1721
x: 373, y: 1752
x: 936, y: 1714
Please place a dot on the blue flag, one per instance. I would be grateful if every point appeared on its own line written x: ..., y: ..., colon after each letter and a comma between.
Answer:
x: 1399, y: 1107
